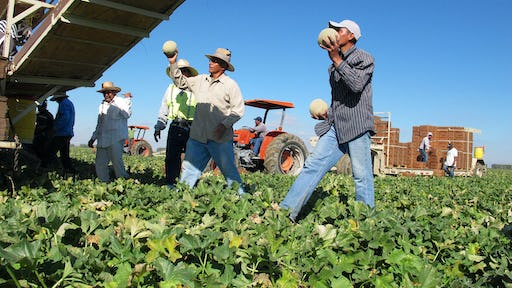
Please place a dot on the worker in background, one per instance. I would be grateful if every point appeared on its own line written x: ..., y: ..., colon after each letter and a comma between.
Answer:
x: 351, y: 121
x: 450, y: 163
x: 43, y: 135
x: 178, y: 106
x: 63, y: 130
x: 20, y: 32
x: 261, y: 130
x: 425, y: 147
x: 111, y: 131
x: 219, y: 105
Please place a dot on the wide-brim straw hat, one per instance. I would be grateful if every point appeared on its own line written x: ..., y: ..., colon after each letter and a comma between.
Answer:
x: 224, y: 55
x: 58, y: 95
x: 108, y: 86
x: 182, y: 63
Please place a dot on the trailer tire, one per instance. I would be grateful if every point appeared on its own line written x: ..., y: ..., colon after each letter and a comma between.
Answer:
x: 286, y: 154
x: 344, y: 166
x: 141, y: 148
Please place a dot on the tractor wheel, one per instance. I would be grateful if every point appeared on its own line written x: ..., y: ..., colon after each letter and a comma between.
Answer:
x: 344, y: 166
x: 286, y: 154
x: 141, y: 148
x: 480, y: 170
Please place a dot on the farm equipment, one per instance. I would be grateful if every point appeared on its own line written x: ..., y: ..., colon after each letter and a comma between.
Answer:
x: 391, y: 157
x: 135, y: 144
x: 71, y: 44
x: 280, y: 152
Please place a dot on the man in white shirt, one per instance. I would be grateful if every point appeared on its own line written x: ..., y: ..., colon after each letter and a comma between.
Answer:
x: 451, y: 160
x: 425, y: 147
x: 111, y: 131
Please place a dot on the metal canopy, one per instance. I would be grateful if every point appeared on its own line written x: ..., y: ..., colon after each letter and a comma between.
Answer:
x: 77, y: 40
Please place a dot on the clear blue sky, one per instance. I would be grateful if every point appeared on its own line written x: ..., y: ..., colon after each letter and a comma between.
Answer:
x: 438, y: 62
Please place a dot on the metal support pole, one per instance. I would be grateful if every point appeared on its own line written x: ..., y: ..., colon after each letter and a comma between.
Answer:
x: 8, y: 32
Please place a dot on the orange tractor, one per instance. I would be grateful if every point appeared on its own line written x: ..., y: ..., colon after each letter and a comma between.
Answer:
x: 280, y: 152
x: 135, y: 144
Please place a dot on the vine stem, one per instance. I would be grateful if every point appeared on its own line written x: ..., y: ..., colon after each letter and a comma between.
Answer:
x: 40, y: 279
x: 8, y: 267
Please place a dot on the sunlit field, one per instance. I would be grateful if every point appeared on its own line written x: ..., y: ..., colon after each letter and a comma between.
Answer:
x: 60, y: 230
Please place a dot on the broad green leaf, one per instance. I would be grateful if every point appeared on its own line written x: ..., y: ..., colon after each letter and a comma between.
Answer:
x: 89, y: 221
x: 24, y: 252
x: 122, y: 276
x: 341, y: 282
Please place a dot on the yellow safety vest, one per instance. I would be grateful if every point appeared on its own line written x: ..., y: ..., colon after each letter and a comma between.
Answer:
x: 181, y: 105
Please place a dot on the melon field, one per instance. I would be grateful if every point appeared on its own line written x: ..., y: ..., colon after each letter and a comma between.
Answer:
x: 60, y: 231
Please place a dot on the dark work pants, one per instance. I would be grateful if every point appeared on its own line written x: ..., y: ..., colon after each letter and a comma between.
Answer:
x: 61, y: 145
x: 176, y: 143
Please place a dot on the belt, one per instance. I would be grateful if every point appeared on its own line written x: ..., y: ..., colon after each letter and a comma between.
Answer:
x: 181, y: 122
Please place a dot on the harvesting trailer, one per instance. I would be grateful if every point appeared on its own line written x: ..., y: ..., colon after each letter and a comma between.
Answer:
x: 280, y: 152
x: 391, y: 157
x: 71, y: 44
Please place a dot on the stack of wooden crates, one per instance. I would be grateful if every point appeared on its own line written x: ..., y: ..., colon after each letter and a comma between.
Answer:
x: 406, y: 154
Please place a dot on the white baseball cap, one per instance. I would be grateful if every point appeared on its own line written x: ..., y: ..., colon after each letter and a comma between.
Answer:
x: 350, y: 25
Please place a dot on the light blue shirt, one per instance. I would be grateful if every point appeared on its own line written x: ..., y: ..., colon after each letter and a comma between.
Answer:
x: 112, y: 123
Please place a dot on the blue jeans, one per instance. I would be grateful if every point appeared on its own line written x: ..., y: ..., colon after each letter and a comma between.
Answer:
x: 257, y: 144
x: 450, y: 170
x: 424, y: 155
x: 324, y: 156
x: 197, y: 156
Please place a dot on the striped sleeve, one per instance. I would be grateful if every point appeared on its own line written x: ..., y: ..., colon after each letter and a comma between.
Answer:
x: 352, y: 96
x: 14, y: 29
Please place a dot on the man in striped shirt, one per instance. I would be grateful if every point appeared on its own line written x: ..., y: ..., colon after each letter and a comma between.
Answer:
x: 351, y: 121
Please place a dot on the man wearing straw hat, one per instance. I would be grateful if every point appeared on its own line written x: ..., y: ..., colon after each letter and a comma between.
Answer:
x: 179, y: 106
x: 111, y: 131
x: 219, y: 105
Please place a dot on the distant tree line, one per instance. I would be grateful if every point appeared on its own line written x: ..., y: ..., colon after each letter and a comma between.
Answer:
x: 501, y: 166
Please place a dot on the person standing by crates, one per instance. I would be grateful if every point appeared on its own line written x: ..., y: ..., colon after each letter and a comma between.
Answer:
x: 425, y: 147
x: 451, y: 160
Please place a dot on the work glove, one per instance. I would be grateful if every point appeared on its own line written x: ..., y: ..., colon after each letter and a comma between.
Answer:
x: 158, y: 127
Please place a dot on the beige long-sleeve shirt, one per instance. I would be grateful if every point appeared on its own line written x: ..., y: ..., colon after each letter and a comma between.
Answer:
x: 218, y: 101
